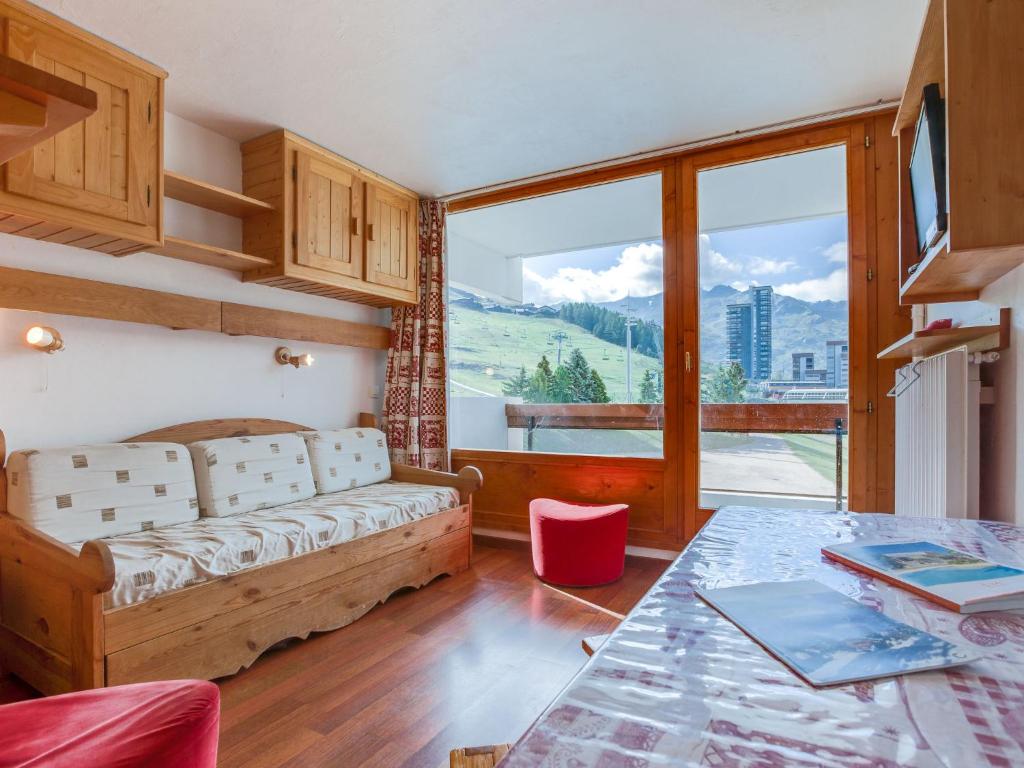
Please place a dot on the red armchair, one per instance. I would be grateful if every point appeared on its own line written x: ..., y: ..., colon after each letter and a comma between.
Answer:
x: 172, y: 724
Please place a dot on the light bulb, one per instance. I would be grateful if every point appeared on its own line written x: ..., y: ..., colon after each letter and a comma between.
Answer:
x: 38, y: 336
x: 44, y: 339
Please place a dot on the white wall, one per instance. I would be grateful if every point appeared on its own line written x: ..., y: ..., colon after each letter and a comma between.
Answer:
x: 480, y: 423
x: 118, y: 379
x: 1002, y: 466
x: 483, y: 270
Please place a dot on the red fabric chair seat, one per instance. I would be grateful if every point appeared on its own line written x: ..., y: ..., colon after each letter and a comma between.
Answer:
x: 578, y: 545
x: 171, y: 724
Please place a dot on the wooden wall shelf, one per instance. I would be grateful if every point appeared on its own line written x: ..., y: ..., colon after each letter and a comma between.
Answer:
x: 59, y: 295
x: 200, y: 253
x: 211, y: 197
x: 924, y: 343
x: 35, y: 105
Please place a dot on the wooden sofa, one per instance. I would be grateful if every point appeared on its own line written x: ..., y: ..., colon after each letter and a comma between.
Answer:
x: 59, y: 631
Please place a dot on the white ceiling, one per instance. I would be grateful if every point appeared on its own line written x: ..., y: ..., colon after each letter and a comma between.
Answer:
x: 804, y: 185
x: 609, y: 214
x: 450, y: 95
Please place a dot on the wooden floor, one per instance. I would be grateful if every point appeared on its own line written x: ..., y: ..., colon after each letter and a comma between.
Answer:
x: 468, y: 660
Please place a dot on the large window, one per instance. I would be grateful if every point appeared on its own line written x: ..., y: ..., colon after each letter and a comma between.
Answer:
x: 774, y: 326
x: 556, y: 327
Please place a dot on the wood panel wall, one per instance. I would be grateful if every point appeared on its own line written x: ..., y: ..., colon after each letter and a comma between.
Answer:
x: 663, y: 493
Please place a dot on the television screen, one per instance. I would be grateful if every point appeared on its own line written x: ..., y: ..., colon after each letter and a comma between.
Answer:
x: 928, y: 170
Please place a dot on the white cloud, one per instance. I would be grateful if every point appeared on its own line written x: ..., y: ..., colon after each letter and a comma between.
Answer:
x: 834, y: 288
x: 836, y: 253
x: 759, y: 266
x: 638, y: 272
x: 718, y: 269
x: 715, y: 268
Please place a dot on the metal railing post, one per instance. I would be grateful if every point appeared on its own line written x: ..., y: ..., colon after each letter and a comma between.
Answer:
x: 839, y: 465
x: 532, y: 425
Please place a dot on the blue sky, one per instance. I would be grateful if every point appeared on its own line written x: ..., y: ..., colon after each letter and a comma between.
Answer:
x: 804, y: 259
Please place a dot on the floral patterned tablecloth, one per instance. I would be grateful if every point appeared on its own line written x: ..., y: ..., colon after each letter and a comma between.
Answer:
x: 679, y: 685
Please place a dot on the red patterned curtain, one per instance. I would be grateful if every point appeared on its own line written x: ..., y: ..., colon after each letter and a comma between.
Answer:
x: 414, y: 392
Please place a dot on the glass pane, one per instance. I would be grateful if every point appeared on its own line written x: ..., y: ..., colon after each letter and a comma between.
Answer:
x: 774, y: 331
x: 556, y: 339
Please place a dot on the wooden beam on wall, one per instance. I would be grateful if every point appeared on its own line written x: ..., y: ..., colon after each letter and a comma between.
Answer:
x: 244, y: 320
x: 60, y: 295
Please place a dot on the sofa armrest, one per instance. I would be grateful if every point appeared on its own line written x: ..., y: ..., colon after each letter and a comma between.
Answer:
x: 468, y: 479
x: 91, y: 570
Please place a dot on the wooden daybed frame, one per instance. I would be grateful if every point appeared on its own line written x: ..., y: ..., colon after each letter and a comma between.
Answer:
x: 59, y: 633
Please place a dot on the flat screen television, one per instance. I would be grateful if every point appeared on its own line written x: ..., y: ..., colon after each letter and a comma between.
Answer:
x: 928, y: 170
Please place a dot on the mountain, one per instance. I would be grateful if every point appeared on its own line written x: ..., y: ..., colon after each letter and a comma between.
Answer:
x: 797, y: 325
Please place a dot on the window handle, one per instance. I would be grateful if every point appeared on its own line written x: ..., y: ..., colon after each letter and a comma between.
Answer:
x: 689, y: 362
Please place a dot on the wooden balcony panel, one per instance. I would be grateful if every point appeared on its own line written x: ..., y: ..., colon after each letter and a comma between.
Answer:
x: 772, y: 417
x: 716, y: 417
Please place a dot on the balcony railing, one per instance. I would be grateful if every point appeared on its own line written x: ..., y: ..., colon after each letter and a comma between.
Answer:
x: 760, y: 418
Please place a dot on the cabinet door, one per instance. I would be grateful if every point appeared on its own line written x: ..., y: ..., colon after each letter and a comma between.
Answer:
x: 391, y: 232
x: 329, y: 217
x: 108, y: 164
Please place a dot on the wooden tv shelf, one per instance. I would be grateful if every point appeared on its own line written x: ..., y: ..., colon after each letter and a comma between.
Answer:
x: 177, y: 186
x: 945, y: 275
x: 972, y: 51
x: 924, y: 343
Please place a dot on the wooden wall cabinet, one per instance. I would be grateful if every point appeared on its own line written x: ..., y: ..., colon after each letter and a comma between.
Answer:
x: 99, y: 183
x: 973, y: 51
x: 335, y: 229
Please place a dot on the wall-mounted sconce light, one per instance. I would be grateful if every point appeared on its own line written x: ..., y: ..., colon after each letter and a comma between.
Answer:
x: 284, y: 356
x: 44, y: 338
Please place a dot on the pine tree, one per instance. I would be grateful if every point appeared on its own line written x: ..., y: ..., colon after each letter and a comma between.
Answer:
x: 541, y: 385
x: 519, y: 386
x: 648, y: 388
x: 562, y: 387
x: 726, y: 385
x: 598, y: 391
x: 578, y: 372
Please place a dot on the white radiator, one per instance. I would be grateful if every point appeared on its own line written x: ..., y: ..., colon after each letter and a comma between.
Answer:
x: 938, y: 403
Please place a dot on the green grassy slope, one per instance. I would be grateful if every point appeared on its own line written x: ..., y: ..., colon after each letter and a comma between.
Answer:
x: 504, y: 342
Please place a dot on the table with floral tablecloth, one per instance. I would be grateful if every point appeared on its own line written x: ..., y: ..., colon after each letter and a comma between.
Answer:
x: 679, y: 685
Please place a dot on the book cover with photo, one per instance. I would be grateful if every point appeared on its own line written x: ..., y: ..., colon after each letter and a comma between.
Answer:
x: 828, y: 638
x: 954, y: 579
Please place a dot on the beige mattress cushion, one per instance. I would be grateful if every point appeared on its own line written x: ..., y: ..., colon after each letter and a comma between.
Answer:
x: 151, y: 563
x: 347, y: 458
x: 242, y: 474
x: 94, y: 491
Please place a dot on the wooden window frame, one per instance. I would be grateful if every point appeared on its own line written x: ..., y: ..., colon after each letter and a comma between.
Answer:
x: 673, y: 480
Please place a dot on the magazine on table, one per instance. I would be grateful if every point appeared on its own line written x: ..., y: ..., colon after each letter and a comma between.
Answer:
x: 828, y: 638
x: 956, y: 580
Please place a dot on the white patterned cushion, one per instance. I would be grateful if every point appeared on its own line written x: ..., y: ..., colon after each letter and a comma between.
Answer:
x: 347, y: 458
x: 242, y: 474
x: 150, y: 563
x: 94, y: 491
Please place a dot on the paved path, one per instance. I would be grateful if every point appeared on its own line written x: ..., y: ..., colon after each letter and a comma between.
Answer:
x: 765, y: 464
